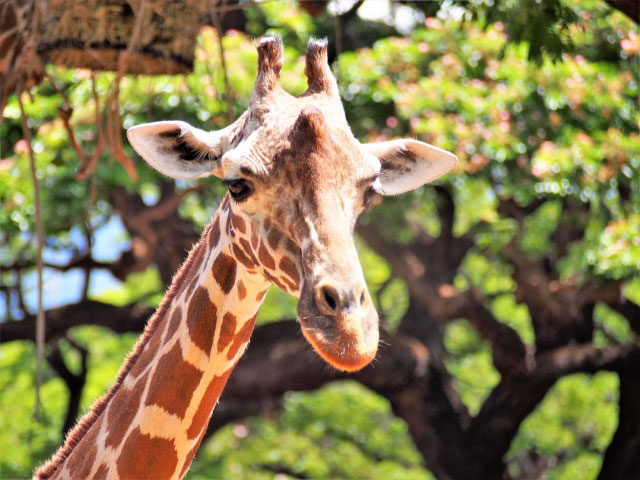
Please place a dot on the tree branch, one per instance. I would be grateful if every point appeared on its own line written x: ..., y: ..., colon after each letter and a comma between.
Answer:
x: 158, y: 233
x: 40, y: 316
x: 499, y: 419
x: 444, y: 303
x: 74, y: 382
x: 621, y: 459
x: 129, y: 318
x: 508, y: 207
x: 586, y: 358
x: 81, y: 261
x: 631, y: 8
x: 629, y: 310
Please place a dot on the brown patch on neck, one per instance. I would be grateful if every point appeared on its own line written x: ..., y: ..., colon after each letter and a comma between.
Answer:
x: 147, y: 355
x: 211, y: 395
x: 101, y: 473
x: 225, y: 203
x: 240, y: 256
x: 131, y: 464
x: 254, y: 236
x: 176, y: 318
x: 80, y: 465
x: 192, y: 454
x: 79, y: 432
x: 242, y: 291
x: 190, y: 278
x: 273, y: 238
x: 242, y: 337
x: 214, y: 233
x: 293, y: 248
x: 238, y: 223
x: 173, y: 383
x: 224, y: 272
x: 227, y: 330
x: 275, y: 280
x: 248, y: 249
x: 201, y: 320
x: 118, y: 422
x: 260, y: 295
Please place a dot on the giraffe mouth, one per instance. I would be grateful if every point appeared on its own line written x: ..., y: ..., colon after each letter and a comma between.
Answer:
x: 347, y: 341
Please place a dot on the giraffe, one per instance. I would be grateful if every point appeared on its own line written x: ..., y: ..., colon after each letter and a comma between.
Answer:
x: 297, y: 179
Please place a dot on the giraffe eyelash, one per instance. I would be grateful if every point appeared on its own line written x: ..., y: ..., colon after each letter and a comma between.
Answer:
x: 239, y: 188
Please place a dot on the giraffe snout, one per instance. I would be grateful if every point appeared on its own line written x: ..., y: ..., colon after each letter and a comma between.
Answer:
x: 331, y: 300
x: 340, y: 322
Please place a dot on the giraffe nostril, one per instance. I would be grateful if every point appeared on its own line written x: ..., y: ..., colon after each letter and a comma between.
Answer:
x: 328, y: 298
x: 362, y: 299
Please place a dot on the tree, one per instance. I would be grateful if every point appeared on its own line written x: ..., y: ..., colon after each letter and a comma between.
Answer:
x: 509, y: 291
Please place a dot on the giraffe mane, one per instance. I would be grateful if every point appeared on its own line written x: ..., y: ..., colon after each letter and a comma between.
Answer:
x: 78, y: 432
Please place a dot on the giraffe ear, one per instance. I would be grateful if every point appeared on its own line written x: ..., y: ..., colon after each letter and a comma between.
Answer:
x: 408, y: 164
x: 179, y: 150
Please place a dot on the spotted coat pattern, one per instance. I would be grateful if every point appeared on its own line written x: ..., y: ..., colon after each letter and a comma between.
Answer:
x: 164, y: 397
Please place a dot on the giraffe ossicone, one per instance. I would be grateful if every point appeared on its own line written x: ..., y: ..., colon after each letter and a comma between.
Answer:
x: 297, y: 180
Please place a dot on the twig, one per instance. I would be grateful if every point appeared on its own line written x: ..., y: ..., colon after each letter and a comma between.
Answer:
x: 228, y: 93
x: 93, y: 192
x: 91, y: 164
x: 40, y: 319
x: 113, y: 112
x: 88, y: 164
x: 65, y: 113
x: 113, y: 133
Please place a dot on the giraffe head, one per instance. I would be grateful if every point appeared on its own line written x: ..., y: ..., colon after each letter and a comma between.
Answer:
x: 299, y: 178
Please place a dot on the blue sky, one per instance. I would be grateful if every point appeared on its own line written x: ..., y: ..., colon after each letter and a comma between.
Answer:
x: 61, y: 288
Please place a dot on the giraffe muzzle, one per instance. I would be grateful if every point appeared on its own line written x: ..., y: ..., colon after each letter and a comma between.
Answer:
x: 340, y: 323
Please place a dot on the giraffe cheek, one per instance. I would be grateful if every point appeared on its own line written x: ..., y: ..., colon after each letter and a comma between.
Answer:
x: 288, y: 267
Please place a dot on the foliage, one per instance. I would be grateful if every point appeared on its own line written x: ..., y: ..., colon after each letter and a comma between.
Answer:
x: 580, y: 432
x: 334, y: 432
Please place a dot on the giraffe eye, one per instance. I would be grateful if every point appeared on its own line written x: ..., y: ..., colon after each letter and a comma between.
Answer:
x: 369, y: 194
x: 239, y: 188
x: 372, y: 194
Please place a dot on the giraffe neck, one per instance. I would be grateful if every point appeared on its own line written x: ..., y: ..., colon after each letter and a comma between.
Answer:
x: 151, y: 423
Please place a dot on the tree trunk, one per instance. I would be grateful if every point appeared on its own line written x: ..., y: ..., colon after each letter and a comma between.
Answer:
x: 622, y: 458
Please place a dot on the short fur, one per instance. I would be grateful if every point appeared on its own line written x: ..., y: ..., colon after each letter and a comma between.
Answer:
x: 308, y: 178
x: 47, y: 470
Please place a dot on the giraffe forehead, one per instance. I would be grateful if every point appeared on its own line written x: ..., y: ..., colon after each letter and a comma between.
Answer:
x: 280, y: 141
x: 306, y: 157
